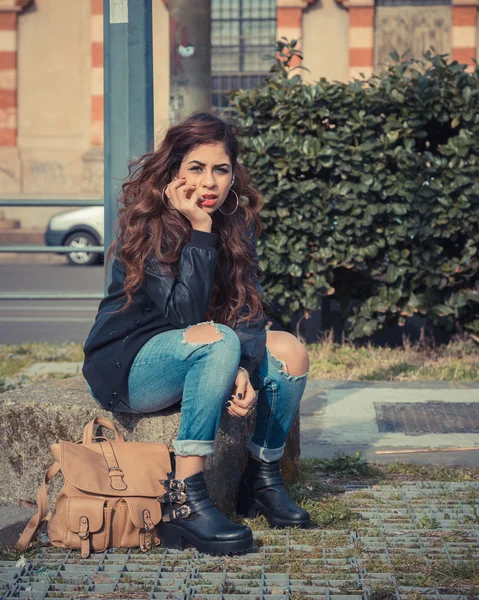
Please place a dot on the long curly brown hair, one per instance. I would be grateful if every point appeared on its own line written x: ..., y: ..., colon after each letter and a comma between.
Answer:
x: 147, y: 227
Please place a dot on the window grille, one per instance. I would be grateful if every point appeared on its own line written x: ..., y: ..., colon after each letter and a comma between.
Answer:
x: 241, y: 32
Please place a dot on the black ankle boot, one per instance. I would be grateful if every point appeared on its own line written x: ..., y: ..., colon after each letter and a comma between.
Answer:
x: 189, y: 514
x: 262, y: 491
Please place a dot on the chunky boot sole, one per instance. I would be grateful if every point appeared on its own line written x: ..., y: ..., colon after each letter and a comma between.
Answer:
x: 172, y: 536
x: 250, y: 508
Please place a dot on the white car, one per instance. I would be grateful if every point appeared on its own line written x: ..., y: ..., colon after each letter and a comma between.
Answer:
x: 81, y: 227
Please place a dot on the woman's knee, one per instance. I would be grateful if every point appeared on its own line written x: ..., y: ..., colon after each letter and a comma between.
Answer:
x: 289, y: 351
x: 215, y: 334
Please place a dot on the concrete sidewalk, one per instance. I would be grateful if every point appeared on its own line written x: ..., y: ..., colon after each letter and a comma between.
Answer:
x: 396, y: 416
x: 350, y: 415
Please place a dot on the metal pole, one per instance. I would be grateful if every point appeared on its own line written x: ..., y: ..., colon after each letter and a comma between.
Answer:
x: 128, y: 98
x: 190, y: 57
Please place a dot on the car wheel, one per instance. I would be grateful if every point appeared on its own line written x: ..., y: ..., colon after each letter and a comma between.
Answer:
x: 82, y: 238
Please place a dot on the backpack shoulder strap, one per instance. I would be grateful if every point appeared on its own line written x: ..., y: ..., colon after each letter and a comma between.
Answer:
x: 43, y: 514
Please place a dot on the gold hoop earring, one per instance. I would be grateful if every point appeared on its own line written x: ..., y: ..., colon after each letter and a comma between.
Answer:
x: 163, y: 194
x: 237, y: 203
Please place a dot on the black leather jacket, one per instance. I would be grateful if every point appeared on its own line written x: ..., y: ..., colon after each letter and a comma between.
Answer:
x: 161, y: 303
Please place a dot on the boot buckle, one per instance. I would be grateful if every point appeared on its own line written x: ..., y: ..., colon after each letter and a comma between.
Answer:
x: 167, y: 482
x: 177, y: 485
x: 182, y: 513
x: 177, y: 497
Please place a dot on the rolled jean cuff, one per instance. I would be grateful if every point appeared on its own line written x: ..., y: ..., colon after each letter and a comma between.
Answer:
x: 193, y: 447
x: 266, y: 454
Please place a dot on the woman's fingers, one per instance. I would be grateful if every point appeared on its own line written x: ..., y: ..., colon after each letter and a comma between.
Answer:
x: 185, y: 199
x: 241, y: 408
x: 179, y: 190
x: 190, y: 206
x: 241, y: 388
x: 237, y: 411
x: 248, y: 398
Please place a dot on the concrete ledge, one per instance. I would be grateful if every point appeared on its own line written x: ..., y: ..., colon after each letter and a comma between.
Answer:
x: 40, y: 414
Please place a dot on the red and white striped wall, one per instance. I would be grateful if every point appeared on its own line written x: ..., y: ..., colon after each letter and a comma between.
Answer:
x: 96, y: 24
x: 289, y: 23
x: 8, y: 78
x: 464, y: 31
x: 361, y: 38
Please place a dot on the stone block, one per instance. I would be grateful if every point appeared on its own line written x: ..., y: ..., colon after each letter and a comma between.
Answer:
x: 40, y: 414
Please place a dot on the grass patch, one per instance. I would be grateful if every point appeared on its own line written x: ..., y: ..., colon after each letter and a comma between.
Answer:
x: 415, y: 472
x: 12, y: 554
x: 343, y: 469
x: 442, y: 574
x: 14, y: 357
x: 423, y: 360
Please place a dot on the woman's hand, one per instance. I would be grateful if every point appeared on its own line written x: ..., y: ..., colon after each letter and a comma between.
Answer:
x: 184, y: 198
x: 240, y: 407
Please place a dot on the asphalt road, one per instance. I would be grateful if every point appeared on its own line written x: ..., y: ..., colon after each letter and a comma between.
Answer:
x: 55, y: 320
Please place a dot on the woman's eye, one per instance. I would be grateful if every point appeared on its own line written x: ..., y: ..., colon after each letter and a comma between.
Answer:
x: 220, y: 170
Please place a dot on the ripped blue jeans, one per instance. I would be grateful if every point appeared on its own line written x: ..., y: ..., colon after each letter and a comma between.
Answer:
x: 169, y: 368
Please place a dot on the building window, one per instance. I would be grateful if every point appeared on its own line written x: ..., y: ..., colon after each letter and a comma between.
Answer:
x: 241, y: 32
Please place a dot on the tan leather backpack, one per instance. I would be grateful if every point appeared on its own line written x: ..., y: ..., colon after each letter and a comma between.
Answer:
x: 109, y: 496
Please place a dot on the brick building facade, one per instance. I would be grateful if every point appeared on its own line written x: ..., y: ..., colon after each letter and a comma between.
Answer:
x: 51, y: 72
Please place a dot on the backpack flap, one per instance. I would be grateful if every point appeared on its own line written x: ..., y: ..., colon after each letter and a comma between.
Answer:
x: 121, y: 469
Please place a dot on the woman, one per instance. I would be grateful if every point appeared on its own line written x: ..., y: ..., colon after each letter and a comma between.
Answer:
x: 192, y: 328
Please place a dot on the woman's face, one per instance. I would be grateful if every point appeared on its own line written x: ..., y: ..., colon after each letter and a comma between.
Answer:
x: 208, y: 167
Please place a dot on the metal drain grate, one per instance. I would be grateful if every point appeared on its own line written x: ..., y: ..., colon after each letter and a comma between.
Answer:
x: 418, y: 418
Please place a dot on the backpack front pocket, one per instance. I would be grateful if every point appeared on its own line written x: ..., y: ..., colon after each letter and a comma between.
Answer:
x: 140, y: 526
x: 88, y: 524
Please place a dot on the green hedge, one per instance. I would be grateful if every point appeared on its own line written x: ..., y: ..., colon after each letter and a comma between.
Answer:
x: 371, y: 192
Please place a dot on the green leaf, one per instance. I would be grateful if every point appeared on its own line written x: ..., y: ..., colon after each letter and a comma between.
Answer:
x: 392, y: 136
x: 394, y: 55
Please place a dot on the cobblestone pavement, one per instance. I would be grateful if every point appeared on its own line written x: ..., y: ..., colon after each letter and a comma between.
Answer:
x: 405, y: 541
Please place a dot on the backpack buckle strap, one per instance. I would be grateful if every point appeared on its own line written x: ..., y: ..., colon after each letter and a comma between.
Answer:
x: 147, y: 521
x: 84, y: 529
x: 144, y: 540
x: 115, y: 472
x: 144, y: 535
x: 117, y: 482
x: 84, y: 535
